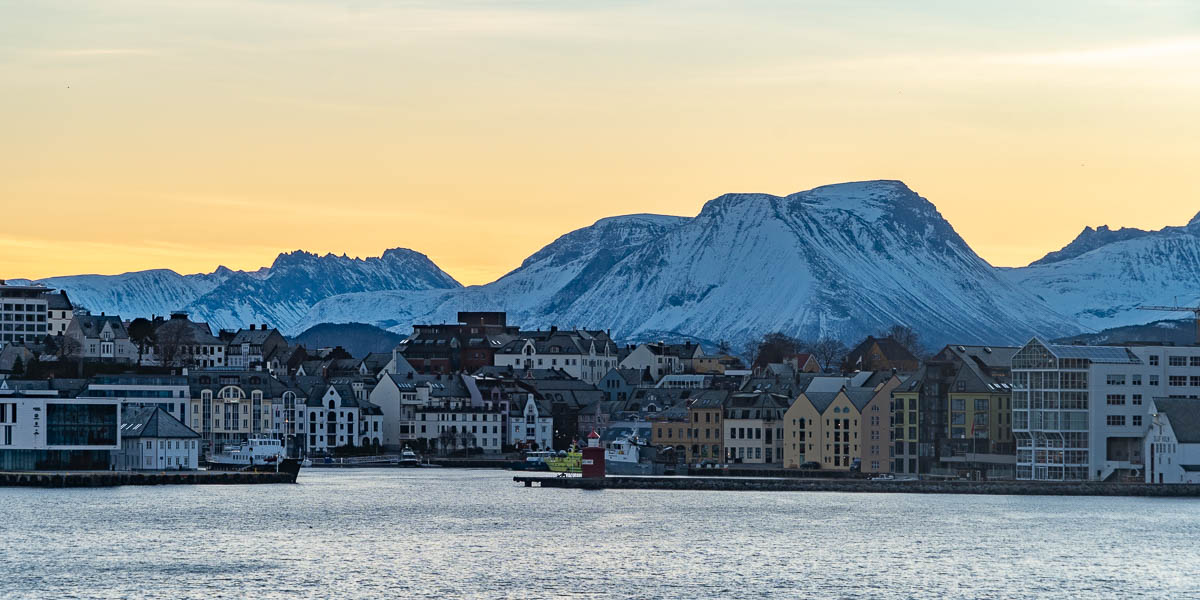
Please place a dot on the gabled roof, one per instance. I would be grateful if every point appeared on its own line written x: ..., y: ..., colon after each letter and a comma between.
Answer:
x: 92, y: 325
x: 860, y: 397
x: 1184, y: 414
x: 888, y: 347
x: 58, y: 301
x: 630, y: 376
x: 153, y: 423
x: 821, y: 400
x: 253, y: 336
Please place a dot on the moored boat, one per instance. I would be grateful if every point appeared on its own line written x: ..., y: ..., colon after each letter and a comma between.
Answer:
x: 627, y: 456
x: 408, y: 458
x: 566, y: 461
x: 260, y: 454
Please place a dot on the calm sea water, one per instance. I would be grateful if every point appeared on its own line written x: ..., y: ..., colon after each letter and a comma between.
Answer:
x: 441, y: 533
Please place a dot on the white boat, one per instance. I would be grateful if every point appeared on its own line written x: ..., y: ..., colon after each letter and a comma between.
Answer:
x: 253, y: 453
x: 535, y: 460
x: 408, y: 458
x: 627, y: 456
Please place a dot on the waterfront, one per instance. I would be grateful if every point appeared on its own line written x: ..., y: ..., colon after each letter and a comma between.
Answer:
x: 472, y: 533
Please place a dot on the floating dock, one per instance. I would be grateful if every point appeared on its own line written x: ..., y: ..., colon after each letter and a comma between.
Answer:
x: 763, y: 484
x: 66, y: 479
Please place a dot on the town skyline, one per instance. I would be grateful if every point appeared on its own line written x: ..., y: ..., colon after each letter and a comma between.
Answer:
x: 343, y: 126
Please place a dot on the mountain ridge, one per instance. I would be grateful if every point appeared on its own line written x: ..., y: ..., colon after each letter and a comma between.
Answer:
x: 842, y: 259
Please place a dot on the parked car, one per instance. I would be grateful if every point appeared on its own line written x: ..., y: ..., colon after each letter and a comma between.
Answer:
x: 811, y: 465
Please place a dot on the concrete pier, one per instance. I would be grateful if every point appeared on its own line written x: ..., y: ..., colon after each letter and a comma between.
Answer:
x: 66, y: 479
x: 763, y: 484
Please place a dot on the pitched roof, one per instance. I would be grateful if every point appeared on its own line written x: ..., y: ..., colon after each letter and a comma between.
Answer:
x: 1184, y: 414
x: 888, y: 347
x: 153, y: 423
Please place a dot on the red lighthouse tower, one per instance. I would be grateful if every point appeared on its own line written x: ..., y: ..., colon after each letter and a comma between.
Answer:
x: 593, y: 458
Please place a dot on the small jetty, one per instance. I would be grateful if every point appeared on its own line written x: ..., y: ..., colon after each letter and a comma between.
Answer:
x: 763, y: 484
x: 69, y: 479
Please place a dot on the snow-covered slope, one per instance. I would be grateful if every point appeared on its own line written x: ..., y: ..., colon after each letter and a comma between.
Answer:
x: 277, y: 295
x: 843, y: 260
x: 1105, y: 278
x: 140, y: 293
x: 531, y: 294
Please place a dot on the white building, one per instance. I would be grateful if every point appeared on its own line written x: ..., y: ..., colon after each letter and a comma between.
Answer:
x: 582, y: 354
x: 532, y: 425
x: 168, y: 392
x: 23, y: 313
x: 658, y: 359
x: 152, y: 439
x: 102, y: 338
x: 1173, y: 442
x: 437, y: 411
x: 41, y: 431
x: 1082, y: 412
x: 338, y: 414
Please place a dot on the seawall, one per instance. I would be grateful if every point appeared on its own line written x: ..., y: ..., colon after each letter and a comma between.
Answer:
x: 1019, y: 488
x: 114, y: 478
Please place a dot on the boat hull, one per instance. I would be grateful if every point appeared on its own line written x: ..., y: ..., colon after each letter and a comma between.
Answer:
x: 290, y: 466
x: 613, y: 467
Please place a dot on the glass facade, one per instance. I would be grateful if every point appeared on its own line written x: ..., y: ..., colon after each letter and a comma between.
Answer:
x: 1050, y: 415
x: 54, y: 460
x: 81, y: 424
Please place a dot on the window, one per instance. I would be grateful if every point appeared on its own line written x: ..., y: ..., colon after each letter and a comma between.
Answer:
x: 1137, y: 420
x: 1116, y: 420
x: 1177, y: 380
x: 1177, y: 361
x: 1116, y: 399
x: 1116, y: 379
x: 1136, y: 400
x: 1154, y: 360
x: 1153, y: 379
x: 1194, y: 361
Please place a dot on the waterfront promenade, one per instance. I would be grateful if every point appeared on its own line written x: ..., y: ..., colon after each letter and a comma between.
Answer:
x: 64, y: 479
x: 767, y: 484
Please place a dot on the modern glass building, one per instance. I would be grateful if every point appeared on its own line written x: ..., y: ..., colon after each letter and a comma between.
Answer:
x: 1081, y: 412
x: 40, y: 431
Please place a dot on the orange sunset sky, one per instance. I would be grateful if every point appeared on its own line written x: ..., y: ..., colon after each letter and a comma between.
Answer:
x: 183, y: 135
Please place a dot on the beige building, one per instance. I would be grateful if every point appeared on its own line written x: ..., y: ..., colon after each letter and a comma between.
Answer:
x: 838, y: 429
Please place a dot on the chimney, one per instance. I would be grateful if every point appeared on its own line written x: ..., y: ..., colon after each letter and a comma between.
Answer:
x: 252, y: 327
x: 264, y: 327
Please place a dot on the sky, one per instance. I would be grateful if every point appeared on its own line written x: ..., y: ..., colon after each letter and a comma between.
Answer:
x: 186, y: 135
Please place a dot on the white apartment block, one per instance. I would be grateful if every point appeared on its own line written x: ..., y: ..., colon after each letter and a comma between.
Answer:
x: 23, y: 313
x: 1083, y: 412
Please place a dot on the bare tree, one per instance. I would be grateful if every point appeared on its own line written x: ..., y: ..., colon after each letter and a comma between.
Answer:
x: 774, y: 347
x: 905, y: 336
x: 466, y: 439
x: 446, y: 439
x: 828, y: 351
x: 174, y: 340
x: 71, y: 349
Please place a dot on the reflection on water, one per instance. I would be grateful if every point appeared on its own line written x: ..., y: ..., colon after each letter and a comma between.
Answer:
x: 435, y: 533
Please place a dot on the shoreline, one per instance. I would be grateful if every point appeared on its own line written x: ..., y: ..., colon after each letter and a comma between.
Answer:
x: 763, y: 484
x: 72, y: 479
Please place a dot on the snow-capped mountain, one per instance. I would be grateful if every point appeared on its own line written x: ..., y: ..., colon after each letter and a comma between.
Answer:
x: 842, y: 260
x: 277, y: 295
x: 1101, y: 277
